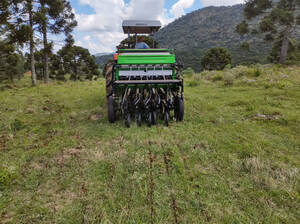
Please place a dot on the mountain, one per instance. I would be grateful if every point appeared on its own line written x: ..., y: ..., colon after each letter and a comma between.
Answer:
x: 102, y: 59
x: 101, y: 54
x: 191, y: 35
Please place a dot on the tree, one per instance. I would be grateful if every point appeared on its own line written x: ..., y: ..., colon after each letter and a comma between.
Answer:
x: 55, y: 17
x: 77, y: 61
x: 216, y: 59
x: 20, y: 19
x: 17, y: 24
x: 11, y: 62
x: 293, y: 54
x: 56, y: 68
x: 39, y: 65
x: 245, y: 46
x: 277, y: 20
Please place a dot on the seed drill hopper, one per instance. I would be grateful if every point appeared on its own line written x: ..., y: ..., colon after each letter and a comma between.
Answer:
x: 144, y: 84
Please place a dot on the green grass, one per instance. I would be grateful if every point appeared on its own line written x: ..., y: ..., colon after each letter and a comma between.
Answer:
x: 234, y: 159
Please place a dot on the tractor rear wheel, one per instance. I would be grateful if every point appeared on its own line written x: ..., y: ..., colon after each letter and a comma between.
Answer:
x: 180, y: 110
x: 109, y: 79
x: 111, y: 110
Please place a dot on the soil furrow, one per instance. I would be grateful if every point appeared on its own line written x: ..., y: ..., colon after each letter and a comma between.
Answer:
x: 151, y: 186
x: 173, y: 204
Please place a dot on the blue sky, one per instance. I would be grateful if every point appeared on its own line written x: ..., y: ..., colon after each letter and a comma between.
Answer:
x: 99, y: 21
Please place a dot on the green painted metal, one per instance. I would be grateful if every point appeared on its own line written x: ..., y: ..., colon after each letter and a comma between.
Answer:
x: 146, y: 59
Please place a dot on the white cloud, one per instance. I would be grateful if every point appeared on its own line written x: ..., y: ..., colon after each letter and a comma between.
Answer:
x: 107, y: 16
x: 145, y: 9
x: 220, y: 2
x: 102, y: 31
x: 87, y: 38
x: 178, y: 8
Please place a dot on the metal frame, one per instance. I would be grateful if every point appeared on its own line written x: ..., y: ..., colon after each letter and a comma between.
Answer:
x: 140, y: 27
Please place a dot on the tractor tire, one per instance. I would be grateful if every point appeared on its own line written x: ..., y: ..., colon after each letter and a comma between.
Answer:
x: 109, y: 79
x: 180, y: 110
x: 111, y: 110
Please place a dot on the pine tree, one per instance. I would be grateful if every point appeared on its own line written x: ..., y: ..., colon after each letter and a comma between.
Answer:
x: 77, y: 61
x: 30, y: 12
x: 55, y: 17
x: 17, y: 24
x: 277, y: 19
x: 10, y: 62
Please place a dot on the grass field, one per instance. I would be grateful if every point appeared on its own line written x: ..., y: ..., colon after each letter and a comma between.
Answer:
x: 234, y: 159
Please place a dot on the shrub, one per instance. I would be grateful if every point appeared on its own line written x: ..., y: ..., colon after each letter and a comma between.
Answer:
x: 239, y: 71
x: 188, y: 72
x: 217, y: 77
x: 245, y: 46
x: 193, y: 83
x: 198, y: 77
x: 216, y: 59
x: 257, y: 72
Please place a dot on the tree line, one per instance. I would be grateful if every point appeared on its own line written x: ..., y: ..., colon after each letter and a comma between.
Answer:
x: 25, y: 26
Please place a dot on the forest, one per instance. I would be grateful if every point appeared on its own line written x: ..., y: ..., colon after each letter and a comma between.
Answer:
x: 26, y: 28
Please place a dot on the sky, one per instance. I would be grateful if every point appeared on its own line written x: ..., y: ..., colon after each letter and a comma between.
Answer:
x: 100, y: 21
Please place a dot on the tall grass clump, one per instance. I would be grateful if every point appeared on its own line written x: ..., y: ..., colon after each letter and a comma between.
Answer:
x: 189, y: 72
x: 228, y: 79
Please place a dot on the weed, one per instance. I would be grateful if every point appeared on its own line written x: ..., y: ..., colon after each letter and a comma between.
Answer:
x: 189, y: 72
x: 193, y: 83
x: 17, y: 125
x: 228, y: 79
x: 217, y: 77
x: 5, y: 178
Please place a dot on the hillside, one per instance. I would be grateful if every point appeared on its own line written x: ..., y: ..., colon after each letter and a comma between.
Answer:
x: 234, y: 158
x: 102, y: 59
x: 194, y: 33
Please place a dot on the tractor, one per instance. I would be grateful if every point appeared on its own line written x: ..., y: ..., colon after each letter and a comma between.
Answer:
x: 144, y: 84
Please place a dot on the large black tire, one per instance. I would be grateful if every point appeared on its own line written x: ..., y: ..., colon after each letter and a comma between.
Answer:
x: 180, y: 109
x: 109, y: 79
x: 111, y: 110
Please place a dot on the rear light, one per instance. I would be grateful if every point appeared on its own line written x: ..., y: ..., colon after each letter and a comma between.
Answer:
x: 116, y: 57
